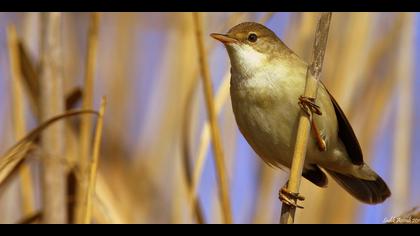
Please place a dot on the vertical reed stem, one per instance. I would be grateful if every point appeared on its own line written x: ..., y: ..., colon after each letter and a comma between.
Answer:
x: 52, y: 103
x: 86, y: 122
x: 19, y: 124
x: 312, y: 78
x: 221, y: 98
x: 94, y: 165
x: 214, y: 126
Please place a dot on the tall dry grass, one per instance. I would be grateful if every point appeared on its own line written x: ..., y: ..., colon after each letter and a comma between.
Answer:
x: 154, y: 164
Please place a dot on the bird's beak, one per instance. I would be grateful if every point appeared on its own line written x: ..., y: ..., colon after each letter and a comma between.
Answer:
x: 223, y: 38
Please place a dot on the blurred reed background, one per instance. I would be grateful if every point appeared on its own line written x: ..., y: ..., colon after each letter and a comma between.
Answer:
x: 156, y: 162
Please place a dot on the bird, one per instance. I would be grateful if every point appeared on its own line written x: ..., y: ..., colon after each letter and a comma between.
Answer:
x: 266, y: 86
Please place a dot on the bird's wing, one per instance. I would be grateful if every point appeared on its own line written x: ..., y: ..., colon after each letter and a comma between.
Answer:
x: 346, y: 134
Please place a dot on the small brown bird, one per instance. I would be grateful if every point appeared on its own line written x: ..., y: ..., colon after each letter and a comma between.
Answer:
x: 267, y: 78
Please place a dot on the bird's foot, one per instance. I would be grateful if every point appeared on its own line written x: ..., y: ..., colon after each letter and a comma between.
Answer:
x: 308, y: 105
x: 290, y: 198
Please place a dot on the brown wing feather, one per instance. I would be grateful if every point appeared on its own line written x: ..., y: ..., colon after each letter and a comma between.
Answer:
x: 314, y: 174
x: 346, y: 134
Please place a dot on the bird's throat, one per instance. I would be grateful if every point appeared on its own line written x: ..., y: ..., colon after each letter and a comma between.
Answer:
x: 245, y: 60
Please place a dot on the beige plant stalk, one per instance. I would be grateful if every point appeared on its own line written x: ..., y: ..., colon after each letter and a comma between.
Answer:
x: 314, y: 71
x: 86, y: 122
x: 214, y: 126
x: 19, y: 123
x: 52, y: 100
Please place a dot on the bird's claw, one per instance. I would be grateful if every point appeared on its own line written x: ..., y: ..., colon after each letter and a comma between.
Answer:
x: 308, y: 105
x: 290, y: 198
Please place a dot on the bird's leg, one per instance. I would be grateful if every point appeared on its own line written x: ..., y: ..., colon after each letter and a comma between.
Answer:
x: 307, y: 104
x: 290, y: 198
x: 319, y: 140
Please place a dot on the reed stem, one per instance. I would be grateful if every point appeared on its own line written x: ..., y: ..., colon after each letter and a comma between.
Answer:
x: 52, y: 100
x: 94, y: 165
x: 312, y: 79
x: 86, y: 122
x: 214, y: 126
x: 19, y: 123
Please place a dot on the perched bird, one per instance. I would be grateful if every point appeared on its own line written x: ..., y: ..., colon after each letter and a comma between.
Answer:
x: 267, y: 81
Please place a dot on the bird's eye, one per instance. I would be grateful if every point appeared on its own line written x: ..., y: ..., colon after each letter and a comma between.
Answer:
x: 252, y: 37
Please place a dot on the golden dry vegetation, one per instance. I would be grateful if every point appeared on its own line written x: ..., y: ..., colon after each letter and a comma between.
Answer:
x: 126, y: 117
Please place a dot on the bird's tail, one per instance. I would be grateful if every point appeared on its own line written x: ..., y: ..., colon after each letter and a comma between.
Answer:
x: 367, y: 191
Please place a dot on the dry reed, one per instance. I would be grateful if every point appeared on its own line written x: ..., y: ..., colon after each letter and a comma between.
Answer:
x: 365, y: 70
x: 18, y: 152
x: 221, y: 99
x: 94, y: 164
x: 214, y: 127
x: 86, y: 122
x: 19, y: 118
x: 312, y: 78
x: 52, y: 100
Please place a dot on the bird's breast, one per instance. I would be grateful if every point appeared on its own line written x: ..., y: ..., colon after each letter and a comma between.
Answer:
x: 266, y: 111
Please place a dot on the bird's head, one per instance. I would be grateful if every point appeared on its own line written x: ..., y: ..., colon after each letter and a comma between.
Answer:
x: 250, y: 45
